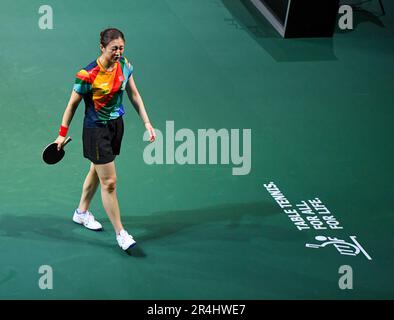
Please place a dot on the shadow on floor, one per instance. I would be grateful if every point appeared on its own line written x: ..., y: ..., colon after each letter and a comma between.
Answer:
x: 246, y: 17
x: 248, y: 216
x: 236, y: 222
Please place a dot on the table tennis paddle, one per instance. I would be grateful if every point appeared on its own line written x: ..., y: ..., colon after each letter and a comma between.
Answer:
x: 51, y: 155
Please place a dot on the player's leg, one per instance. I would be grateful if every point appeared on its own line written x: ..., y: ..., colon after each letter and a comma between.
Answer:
x: 82, y: 215
x: 89, y: 189
x: 107, y: 175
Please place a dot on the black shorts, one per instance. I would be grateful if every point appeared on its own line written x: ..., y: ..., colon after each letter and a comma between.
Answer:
x: 102, y: 144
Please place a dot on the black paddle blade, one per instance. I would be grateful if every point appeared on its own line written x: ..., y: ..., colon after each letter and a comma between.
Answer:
x: 51, y: 155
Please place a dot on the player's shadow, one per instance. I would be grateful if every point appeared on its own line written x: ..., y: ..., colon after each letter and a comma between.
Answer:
x: 243, y: 221
x: 43, y: 227
x: 247, y: 18
x: 248, y: 216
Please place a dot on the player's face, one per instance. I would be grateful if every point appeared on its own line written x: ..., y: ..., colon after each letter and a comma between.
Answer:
x: 114, y: 50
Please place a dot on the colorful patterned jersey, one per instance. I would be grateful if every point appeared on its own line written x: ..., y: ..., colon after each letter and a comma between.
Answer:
x: 102, y: 91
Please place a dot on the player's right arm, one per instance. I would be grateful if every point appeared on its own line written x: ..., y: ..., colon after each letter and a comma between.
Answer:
x: 68, y: 115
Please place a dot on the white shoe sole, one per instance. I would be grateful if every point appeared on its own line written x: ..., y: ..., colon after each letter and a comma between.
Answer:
x: 130, y: 246
x: 81, y: 224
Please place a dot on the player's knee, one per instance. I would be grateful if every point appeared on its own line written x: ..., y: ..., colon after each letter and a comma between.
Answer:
x: 109, y: 184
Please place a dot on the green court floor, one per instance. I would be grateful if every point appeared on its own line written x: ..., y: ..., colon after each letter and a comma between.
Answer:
x: 321, y: 117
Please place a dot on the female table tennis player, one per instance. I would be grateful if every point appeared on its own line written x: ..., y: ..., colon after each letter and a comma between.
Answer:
x: 101, y: 84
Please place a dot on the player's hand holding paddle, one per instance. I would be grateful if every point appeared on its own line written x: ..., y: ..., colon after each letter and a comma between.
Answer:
x: 54, y: 152
x: 60, y: 142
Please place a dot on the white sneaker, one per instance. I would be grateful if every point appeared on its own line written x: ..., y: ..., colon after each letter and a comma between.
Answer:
x: 125, y: 240
x: 87, y: 219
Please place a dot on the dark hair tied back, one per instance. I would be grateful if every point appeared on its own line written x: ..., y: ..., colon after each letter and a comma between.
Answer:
x: 107, y: 35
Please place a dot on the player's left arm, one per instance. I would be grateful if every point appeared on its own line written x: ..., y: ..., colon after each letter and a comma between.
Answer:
x: 138, y: 104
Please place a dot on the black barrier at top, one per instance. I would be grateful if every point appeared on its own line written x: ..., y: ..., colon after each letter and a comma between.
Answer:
x: 300, y: 18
